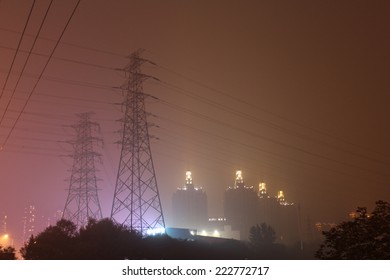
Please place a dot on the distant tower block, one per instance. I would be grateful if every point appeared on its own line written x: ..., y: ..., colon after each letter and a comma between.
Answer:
x: 240, y: 206
x: 189, y: 205
x: 136, y: 198
x: 82, y: 203
x: 28, y: 222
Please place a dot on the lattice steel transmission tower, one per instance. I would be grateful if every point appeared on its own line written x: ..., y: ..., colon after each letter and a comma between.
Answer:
x: 82, y: 203
x: 136, y: 199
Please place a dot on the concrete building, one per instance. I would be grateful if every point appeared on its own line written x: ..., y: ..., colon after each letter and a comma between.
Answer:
x: 245, y: 207
x: 240, y: 206
x: 189, y: 206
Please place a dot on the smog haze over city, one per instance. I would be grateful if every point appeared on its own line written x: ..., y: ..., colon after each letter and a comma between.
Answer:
x: 293, y: 93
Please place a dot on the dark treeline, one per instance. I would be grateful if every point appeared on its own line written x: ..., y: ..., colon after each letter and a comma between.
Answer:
x: 367, y: 236
x: 7, y: 253
x: 105, y: 240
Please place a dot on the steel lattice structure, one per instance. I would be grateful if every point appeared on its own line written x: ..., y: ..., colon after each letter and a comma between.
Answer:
x: 136, y: 199
x: 82, y: 203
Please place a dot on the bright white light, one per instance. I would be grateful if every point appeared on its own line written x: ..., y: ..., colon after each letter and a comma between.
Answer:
x: 281, y: 197
x: 188, y: 178
x: 4, y: 239
x: 155, y: 231
x: 216, y: 233
x: 239, y: 178
x: 262, y: 188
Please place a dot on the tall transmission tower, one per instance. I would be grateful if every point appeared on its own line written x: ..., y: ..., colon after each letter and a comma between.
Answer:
x: 136, y: 199
x: 82, y: 203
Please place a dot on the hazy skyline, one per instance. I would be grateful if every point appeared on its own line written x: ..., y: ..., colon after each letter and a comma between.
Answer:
x: 295, y: 94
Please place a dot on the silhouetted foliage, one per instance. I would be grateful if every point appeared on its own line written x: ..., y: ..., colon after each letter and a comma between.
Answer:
x: 98, y: 240
x: 7, y: 253
x: 262, y: 242
x: 106, y: 240
x: 55, y: 242
x: 366, y: 237
x: 263, y: 235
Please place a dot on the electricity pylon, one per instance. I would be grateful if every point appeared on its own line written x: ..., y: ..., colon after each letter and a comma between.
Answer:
x: 136, y: 201
x: 82, y: 203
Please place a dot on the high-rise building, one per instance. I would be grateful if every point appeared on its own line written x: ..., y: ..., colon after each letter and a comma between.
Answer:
x: 240, y: 206
x: 245, y: 207
x: 189, y: 205
x: 28, y: 222
x: 281, y: 215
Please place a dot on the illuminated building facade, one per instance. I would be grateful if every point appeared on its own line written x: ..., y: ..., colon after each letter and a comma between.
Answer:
x: 189, y: 205
x: 29, y: 222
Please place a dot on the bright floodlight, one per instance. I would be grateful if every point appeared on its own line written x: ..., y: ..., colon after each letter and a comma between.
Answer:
x: 155, y: 231
x: 239, y: 178
x: 281, y: 195
x: 188, y: 178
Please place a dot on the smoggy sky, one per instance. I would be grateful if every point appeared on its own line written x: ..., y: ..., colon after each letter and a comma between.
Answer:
x: 293, y: 93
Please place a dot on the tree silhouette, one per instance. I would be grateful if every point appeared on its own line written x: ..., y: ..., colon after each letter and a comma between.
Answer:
x: 55, y: 242
x: 260, y: 236
x: 7, y: 253
x: 366, y: 237
x: 99, y: 240
x: 262, y: 243
x: 107, y: 240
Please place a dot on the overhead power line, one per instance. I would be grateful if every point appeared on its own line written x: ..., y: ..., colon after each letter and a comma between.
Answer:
x: 71, y: 44
x: 267, y: 123
x: 268, y: 139
x: 64, y: 59
x: 26, y: 61
x: 17, y: 48
x: 41, y: 74
x: 288, y: 120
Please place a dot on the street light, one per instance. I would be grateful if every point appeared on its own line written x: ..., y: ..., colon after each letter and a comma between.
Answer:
x: 4, y: 240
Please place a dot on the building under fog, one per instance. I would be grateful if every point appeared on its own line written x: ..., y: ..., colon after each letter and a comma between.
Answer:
x: 245, y: 207
x: 189, y: 206
x: 240, y: 206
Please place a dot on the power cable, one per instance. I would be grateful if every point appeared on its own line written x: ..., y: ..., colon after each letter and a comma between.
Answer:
x: 26, y: 61
x: 40, y: 76
x: 66, y: 59
x: 17, y: 48
x: 72, y: 44
x: 265, y: 122
x: 72, y: 82
x: 254, y: 134
x: 250, y: 147
x: 296, y: 123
